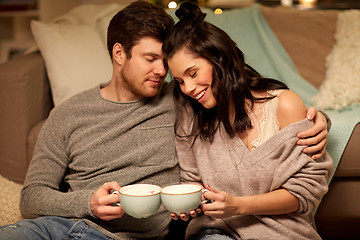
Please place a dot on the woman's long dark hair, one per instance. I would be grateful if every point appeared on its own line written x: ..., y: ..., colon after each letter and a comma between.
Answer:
x: 232, y: 77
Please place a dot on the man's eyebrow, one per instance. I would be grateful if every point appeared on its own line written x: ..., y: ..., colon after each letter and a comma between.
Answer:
x: 151, y: 54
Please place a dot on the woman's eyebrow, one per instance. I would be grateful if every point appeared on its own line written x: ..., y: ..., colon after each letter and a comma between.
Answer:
x: 187, y: 70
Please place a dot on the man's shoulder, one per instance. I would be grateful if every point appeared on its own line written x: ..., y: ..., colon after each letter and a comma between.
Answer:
x: 80, y: 97
x: 86, y: 95
x: 76, y: 101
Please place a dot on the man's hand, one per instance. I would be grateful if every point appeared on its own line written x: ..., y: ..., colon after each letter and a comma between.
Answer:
x: 317, y: 136
x: 102, y: 198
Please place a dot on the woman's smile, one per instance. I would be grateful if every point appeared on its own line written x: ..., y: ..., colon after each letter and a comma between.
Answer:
x: 200, y: 95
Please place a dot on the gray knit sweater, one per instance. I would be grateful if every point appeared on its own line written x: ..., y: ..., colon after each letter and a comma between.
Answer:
x: 228, y: 165
x: 88, y: 141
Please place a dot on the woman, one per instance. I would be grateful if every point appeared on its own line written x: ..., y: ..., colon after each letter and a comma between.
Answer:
x: 237, y: 132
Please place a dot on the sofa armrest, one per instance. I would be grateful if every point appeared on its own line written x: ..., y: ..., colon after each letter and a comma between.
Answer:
x: 349, y: 165
x: 25, y: 100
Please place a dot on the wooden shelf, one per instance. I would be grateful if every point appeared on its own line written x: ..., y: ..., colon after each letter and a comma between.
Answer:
x: 27, y: 13
x: 21, y: 40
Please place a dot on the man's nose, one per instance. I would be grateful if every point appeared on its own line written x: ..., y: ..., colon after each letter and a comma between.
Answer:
x: 160, y: 69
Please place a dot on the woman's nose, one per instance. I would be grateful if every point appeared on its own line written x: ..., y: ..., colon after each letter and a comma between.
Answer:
x: 188, y: 88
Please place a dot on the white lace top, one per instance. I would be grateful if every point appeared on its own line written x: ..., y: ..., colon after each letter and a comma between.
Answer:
x: 268, y: 124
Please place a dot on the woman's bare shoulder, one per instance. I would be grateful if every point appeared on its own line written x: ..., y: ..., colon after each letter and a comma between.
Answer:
x: 290, y: 108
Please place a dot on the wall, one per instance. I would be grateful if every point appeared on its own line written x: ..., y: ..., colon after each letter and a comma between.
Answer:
x: 15, y: 34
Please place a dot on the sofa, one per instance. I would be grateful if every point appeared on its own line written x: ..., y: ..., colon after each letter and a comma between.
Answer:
x: 308, y: 38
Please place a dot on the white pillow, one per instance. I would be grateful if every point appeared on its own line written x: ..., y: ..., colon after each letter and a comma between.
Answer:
x: 341, y: 87
x: 74, y: 50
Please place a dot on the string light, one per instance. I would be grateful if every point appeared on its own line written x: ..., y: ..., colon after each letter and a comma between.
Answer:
x: 307, y: 3
x: 218, y: 11
x: 172, y: 4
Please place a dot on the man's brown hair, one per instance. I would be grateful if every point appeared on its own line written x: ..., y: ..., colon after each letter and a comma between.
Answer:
x: 139, y: 19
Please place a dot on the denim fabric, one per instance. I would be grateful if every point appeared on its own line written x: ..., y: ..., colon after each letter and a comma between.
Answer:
x: 50, y: 227
x: 212, y: 234
x: 216, y: 237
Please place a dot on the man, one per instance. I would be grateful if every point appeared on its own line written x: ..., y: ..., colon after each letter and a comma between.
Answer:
x: 114, y: 135
x: 110, y: 136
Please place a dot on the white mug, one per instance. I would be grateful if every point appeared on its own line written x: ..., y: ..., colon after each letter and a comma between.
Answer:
x: 139, y: 200
x: 182, y: 198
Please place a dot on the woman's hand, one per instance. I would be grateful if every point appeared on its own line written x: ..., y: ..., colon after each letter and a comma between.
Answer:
x: 225, y: 205
x: 186, y: 217
x: 222, y: 204
x: 316, y: 137
x: 192, y: 213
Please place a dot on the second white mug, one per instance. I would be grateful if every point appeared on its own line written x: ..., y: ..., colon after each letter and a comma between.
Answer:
x: 182, y: 198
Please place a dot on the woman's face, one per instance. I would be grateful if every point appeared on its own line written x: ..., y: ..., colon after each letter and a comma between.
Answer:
x: 194, y: 75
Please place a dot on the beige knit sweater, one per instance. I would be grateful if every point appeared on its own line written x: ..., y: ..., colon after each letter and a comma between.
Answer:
x: 227, y: 165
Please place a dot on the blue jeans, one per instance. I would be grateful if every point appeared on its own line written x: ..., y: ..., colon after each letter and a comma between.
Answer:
x: 216, y: 237
x: 212, y: 234
x: 50, y: 227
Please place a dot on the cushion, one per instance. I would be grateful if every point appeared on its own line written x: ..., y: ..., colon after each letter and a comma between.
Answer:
x: 341, y: 87
x: 74, y: 49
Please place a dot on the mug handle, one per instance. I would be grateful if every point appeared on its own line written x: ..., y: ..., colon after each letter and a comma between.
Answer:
x: 206, y: 200
x: 117, y: 203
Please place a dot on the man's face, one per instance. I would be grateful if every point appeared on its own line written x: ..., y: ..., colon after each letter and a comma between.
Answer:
x: 143, y: 74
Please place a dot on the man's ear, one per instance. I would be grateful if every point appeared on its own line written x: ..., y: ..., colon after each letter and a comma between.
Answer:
x: 118, y: 53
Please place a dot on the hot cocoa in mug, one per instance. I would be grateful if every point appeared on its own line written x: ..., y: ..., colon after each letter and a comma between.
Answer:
x: 140, y: 200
